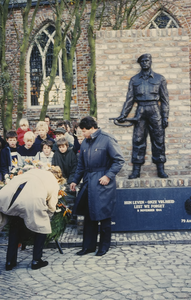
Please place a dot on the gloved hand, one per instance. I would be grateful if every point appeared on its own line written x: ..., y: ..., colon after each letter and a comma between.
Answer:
x: 121, y: 119
x: 164, y: 123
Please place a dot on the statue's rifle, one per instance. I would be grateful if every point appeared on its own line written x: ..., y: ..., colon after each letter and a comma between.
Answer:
x: 130, y: 120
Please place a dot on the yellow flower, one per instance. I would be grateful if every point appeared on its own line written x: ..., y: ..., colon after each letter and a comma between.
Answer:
x: 67, y: 211
x: 14, y: 162
x: 62, y: 193
x: 36, y: 161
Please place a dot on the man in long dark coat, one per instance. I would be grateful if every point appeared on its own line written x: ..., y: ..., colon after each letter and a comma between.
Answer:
x: 99, y: 161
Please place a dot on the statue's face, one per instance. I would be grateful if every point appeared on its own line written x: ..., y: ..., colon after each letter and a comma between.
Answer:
x: 145, y: 63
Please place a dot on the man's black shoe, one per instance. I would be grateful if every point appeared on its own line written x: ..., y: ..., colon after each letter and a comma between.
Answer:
x: 85, y: 251
x: 37, y: 264
x: 101, y: 252
x: 9, y: 266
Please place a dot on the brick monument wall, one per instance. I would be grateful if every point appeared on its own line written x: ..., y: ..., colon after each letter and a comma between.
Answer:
x: 116, y: 56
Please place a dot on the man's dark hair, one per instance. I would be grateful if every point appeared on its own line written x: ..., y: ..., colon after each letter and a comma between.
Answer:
x: 62, y: 141
x: 67, y: 123
x: 47, y: 117
x: 46, y: 142
x: 87, y: 123
x: 61, y: 123
x: 11, y: 134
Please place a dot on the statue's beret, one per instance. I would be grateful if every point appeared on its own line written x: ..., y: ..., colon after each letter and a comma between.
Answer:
x: 143, y: 56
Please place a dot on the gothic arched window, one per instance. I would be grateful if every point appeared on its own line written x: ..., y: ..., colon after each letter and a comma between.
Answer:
x: 162, y: 20
x: 39, y: 64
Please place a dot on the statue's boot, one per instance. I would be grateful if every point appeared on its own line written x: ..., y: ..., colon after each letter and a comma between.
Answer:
x: 136, y: 171
x: 161, y: 172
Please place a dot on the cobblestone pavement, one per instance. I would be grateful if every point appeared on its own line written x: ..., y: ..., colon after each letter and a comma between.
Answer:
x: 72, y: 238
x: 143, y: 271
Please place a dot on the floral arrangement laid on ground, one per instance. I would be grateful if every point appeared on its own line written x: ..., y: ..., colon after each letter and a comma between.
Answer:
x: 28, y: 165
x: 59, y: 219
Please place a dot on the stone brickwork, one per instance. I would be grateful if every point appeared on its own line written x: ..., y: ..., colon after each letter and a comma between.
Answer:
x: 116, y: 55
x: 80, y: 106
x: 180, y: 11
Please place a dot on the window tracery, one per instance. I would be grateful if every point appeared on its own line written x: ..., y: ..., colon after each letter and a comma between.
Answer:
x: 40, y: 58
x: 162, y: 20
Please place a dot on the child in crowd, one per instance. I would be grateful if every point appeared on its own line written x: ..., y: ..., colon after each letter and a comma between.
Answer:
x: 66, y: 125
x: 66, y: 159
x: 42, y: 128
x: 9, y: 153
x: 28, y: 150
x: 60, y: 133
x: 24, y: 127
x: 46, y: 155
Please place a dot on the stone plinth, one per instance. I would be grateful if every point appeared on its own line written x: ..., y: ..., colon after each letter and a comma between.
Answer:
x: 155, y: 182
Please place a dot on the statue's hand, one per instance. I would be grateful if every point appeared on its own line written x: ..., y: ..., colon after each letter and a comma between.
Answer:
x: 164, y: 123
x: 121, y: 119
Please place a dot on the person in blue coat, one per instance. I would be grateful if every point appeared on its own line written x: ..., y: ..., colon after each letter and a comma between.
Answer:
x: 42, y: 129
x: 99, y: 161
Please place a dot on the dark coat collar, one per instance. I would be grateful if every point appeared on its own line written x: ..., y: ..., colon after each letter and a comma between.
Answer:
x: 95, y: 134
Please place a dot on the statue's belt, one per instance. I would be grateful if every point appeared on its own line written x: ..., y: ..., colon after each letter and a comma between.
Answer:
x: 147, y: 102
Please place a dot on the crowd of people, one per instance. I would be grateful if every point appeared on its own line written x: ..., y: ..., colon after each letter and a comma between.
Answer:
x: 59, y: 147
x: 89, y: 157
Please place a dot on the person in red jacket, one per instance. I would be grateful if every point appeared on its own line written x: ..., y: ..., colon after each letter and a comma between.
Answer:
x: 24, y: 127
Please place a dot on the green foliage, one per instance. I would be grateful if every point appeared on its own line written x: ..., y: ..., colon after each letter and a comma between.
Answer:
x: 58, y: 225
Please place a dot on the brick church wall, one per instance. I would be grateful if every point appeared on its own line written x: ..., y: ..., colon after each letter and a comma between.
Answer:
x: 180, y: 10
x: 81, y: 104
x: 116, y: 56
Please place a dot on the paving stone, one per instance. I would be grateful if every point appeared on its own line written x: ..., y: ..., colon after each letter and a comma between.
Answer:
x: 135, y: 272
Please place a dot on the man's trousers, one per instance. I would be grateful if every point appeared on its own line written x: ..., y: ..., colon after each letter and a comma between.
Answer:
x: 91, y: 228
x: 16, y: 236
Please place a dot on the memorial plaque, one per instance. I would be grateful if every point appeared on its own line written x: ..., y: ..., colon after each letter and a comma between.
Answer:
x: 152, y: 209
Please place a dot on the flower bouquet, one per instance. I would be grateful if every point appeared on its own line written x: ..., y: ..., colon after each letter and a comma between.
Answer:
x: 28, y: 165
x: 60, y: 218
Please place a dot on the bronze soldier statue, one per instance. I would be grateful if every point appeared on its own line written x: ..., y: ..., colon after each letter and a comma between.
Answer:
x: 147, y: 88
